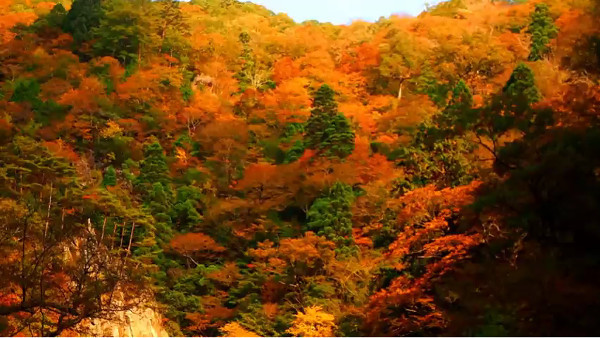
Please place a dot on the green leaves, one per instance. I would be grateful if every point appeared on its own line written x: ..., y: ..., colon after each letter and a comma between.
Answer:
x: 521, y: 88
x: 324, y: 101
x: 26, y: 90
x: 125, y: 30
x: 542, y: 30
x: 154, y: 168
x: 83, y: 17
x: 331, y: 216
x: 110, y: 177
x: 328, y: 131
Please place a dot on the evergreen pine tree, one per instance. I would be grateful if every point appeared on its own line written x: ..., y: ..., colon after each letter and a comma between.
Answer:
x: 184, y: 214
x: 324, y: 101
x: 153, y: 169
x: 248, y: 63
x: 338, y: 138
x: 520, y: 88
x: 294, y: 153
x: 110, y: 177
x: 328, y: 131
x: 331, y: 216
x: 56, y: 17
x: 159, y: 202
x: 82, y: 18
x: 542, y: 30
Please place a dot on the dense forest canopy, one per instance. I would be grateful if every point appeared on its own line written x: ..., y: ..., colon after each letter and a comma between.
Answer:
x: 248, y: 175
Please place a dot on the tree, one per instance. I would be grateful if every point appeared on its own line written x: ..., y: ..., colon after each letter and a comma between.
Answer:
x: 460, y: 104
x: 126, y: 29
x: 328, y: 131
x: 441, y: 148
x: 331, y: 216
x: 402, y: 58
x: 511, y: 109
x: 55, y: 18
x: 313, y: 322
x: 542, y: 30
x: 153, y: 170
x: 83, y: 17
x: 26, y: 90
x: 195, y: 245
x: 266, y: 186
x: 520, y: 88
x: 252, y: 74
x: 184, y: 212
x: 428, y: 245
x: 172, y: 27
x: 295, y: 152
x: 225, y: 142
x: 110, y: 177
x: 46, y: 215
x: 154, y: 167
x: 234, y: 329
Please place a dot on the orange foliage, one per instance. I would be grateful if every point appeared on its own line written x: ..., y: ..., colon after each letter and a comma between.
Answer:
x: 193, y: 244
x: 290, y: 100
x: 228, y: 275
x: 55, y: 87
x: 198, y: 322
x: 10, y: 19
x: 307, y: 250
x: 84, y: 99
x: 432, y: 209
x: 268, y: 186
x: 284, y: 69
x: 62, y: 149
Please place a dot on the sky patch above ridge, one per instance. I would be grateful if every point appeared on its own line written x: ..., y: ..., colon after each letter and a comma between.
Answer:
x: 343, y: 11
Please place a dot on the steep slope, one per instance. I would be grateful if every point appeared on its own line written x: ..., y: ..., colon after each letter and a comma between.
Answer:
x: 245, y: 174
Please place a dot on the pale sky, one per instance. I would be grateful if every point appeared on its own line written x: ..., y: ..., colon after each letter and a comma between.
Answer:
x: 343, y: 11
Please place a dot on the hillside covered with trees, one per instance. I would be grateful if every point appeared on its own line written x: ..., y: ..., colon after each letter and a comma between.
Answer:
x: 253, y: 176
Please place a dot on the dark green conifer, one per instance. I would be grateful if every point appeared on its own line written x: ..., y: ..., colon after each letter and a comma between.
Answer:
x: 184, y: 214
x: 153, y: 169
x: 248, y: 63
x: 327, y: 130
x: 331, y: 216
x: 542, y: 30
x: 26, y: 90
x: 295, y: 152
x: 82, y: 18
x: 521, y: 88
x: 110, y: 177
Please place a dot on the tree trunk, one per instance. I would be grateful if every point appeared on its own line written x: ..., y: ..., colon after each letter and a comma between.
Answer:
x: 122, y: 235
x: 48, y: 214
x: 103, y: 227
x: 112, y: 246
x: 130, y: 239
x: 400, y: 90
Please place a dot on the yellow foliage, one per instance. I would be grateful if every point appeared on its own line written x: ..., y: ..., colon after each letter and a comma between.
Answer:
x: 236, y: 330
x: 313, y: 322
x: 181, y: 155
x: 112, y: 129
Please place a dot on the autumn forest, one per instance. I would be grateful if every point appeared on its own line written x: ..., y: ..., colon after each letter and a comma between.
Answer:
x: 244, y: 175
